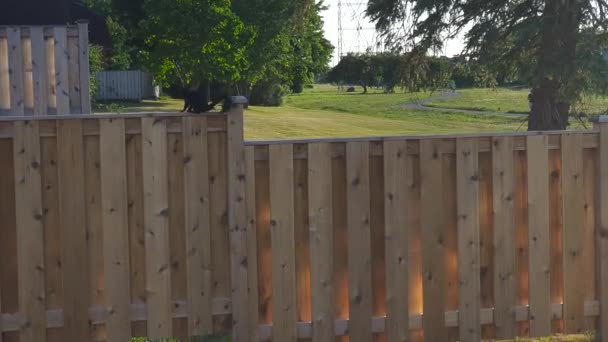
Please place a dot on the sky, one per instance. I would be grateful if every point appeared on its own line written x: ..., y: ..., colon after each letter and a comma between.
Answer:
x: 353, y: 17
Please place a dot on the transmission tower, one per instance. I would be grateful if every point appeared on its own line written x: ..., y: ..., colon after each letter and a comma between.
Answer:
x: 358, y: 29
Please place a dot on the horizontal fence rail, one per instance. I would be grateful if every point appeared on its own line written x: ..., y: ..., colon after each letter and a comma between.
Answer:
x: 44, y: 70
x: 171, y: 225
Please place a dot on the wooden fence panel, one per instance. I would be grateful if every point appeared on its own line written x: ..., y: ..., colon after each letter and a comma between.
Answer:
x: 197, y: 225
x: 359, y: 237
x: 573, y: 232
x: 62, y: 80
x: 538, y: 236
x: 505, y: 269
x: 42, y: 67
x: 115, y: 228
x: 252, y: 248
x: 467, y: 154
x: 15, y: 71
x: 321, y: 241
x: 73, y: 221
x: 29, y: 227
x: 433, y: 247
x: 396, y: 174
x: 283, y: 243
x: 156, y: 221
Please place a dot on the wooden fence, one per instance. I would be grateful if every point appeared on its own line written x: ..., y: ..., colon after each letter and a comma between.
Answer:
x: 43, y: 70
x: 125, y: 85
x: 158, y: 225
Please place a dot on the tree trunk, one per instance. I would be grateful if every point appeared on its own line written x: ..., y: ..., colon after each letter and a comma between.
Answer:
x: 555, y: 89
x: 364, y: 88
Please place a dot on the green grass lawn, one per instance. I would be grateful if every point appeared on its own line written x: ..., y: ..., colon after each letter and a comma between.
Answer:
x: 323, y: 112
x: 511, y: 101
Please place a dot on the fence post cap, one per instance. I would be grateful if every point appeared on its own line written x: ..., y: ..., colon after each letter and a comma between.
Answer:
x: 239, y: 100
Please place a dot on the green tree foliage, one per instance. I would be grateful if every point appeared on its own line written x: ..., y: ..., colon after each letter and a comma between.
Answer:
x: 556, y: 44
x: 194, y: 40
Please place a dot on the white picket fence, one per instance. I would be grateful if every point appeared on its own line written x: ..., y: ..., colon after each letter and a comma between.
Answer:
x: 126, y: 85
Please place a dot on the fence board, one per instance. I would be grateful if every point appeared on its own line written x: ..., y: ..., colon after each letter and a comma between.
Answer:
x: 283, y: 243
x: 264, y: 256
x: 449, y: 184
x: 156, y: 222
x: 62, y: 81
x: 467, y: 159
x: 573, y: 232
x: 556, y: 234
x: 396, y: 175
x: 115, y: 228
x: 505, y: 271
x: 137, y: 246
x: 359, y: 237
x: 590, y: 161
x: 73, y: 222
x: 377, y: 231
x: 74, y: 75
x: 321, y: 241
x: 15, y: 71
x: 198, y: 233
x: 339, y: 214
x: 39, y: 66
x: 177, y: 233
x: 5, y: 95
x: 83, y: 67
x: 252, y: 248
x: 302, y: 238
x: 94, y: 230
x: 50, y: 75
x: 432, y: 241
x: 539, y: 239
x: 29, y: 227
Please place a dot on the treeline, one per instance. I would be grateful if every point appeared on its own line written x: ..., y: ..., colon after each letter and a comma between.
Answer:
x: 415, y: 72
x: 264, y: 49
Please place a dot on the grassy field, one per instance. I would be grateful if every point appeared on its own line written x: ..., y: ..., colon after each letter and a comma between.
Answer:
x: 323, y: 112
x: 511, y: 101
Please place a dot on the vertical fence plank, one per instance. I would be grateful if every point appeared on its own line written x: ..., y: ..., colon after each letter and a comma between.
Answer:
x: 62, y: 91
x: 39, y: 72
x: 177, y: 233
x: 283, y: 242
x: 602, y: 232
x: 432, y: 241
x: 573, y: 232
x: 92, y: 166
x: 396, y: 174
x: 28, y: 96
x: 74, y: 75
x: 198, y: 232
x: 15, y: 71
x: 156, y: 223
x: 137, y: 245
x: 50, y: 75
x: 30, y: 234
x: 590, y: 184
x: 252, y: 248
x: 73, y: 233
x: 321, y: 241
x: 5, y: 94
x: 237, y: 220
x: 115, y: 228
x: 450, y: 235
x: 264, y: 254
x: 302, y: 238
x: 83, y: 65
x: 505, y: 282
x: 467, y: 161
x: 538, y: 236
x: 359, y: 237
x: 340, y: 236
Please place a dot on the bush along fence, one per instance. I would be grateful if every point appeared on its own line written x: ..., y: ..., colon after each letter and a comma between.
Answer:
x: 171, y: 225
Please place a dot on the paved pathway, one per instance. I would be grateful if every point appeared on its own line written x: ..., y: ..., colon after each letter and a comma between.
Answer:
x: 422, y: 104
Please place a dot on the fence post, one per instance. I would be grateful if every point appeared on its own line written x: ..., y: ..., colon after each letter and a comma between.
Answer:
x: 237, y: 219
x: 602, y: 228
